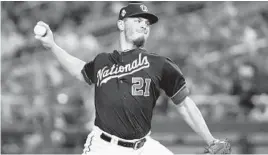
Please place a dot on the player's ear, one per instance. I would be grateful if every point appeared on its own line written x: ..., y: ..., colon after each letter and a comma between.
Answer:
x: 120, y: 25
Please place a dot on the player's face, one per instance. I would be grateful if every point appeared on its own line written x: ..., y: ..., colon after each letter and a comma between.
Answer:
x: 137, y: 30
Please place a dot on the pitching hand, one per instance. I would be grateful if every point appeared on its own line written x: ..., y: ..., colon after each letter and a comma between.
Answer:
x: 47, y: 40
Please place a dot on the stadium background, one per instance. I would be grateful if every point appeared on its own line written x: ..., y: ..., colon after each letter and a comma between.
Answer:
x: 221, y: 47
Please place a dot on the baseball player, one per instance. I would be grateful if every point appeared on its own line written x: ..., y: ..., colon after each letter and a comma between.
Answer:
x: 127, y: 84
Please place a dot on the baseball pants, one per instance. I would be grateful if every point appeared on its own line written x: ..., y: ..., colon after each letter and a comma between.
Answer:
x: 95, y: 145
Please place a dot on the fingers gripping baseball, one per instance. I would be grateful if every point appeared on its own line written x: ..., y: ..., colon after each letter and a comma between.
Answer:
x: 44, y: 34
x: 41, y: 30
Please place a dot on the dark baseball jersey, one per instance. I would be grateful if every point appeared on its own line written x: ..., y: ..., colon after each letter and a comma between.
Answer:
x: 127, y: 86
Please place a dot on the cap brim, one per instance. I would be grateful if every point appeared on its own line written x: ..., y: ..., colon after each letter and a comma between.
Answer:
x: 151, y: 17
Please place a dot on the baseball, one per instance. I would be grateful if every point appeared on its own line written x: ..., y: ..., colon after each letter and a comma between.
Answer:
x: 40, y: 30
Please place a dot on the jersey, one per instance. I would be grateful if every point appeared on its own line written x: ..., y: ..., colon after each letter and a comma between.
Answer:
x: 127, y: 85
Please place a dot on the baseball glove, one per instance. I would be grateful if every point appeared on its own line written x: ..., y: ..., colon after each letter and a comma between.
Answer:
x: 219, y: 147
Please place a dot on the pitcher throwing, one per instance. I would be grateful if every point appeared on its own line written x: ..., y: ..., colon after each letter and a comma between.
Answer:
x: 127, y: 84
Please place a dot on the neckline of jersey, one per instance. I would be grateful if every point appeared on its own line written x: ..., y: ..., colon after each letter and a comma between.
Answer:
x: 128, y: 51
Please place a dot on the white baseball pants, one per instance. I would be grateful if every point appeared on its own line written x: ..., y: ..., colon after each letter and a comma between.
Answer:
x: 97, y: 146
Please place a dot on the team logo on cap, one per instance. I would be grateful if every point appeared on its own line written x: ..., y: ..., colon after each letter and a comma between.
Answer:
x: 144, y: 8
x: 123, y: 13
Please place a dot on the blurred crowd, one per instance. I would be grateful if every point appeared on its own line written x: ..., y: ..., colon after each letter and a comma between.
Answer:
x: 221, y: 48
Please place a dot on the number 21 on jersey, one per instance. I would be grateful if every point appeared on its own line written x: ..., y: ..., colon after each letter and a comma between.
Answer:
x: 138, y: 83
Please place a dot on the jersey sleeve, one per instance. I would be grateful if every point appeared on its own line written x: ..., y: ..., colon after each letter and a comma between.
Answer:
x: 173, y: 82
x: 88, y: 72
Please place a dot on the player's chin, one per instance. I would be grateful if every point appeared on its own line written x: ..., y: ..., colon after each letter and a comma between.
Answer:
x: 140, y: 41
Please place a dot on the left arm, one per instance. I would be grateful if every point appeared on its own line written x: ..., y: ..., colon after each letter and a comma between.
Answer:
x: 192, y: 115
x: 174, y: 85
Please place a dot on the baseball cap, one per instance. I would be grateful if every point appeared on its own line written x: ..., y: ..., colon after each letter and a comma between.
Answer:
x: 137, y: 10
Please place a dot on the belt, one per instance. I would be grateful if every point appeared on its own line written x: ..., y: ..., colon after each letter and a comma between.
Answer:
x: 135, y: 145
